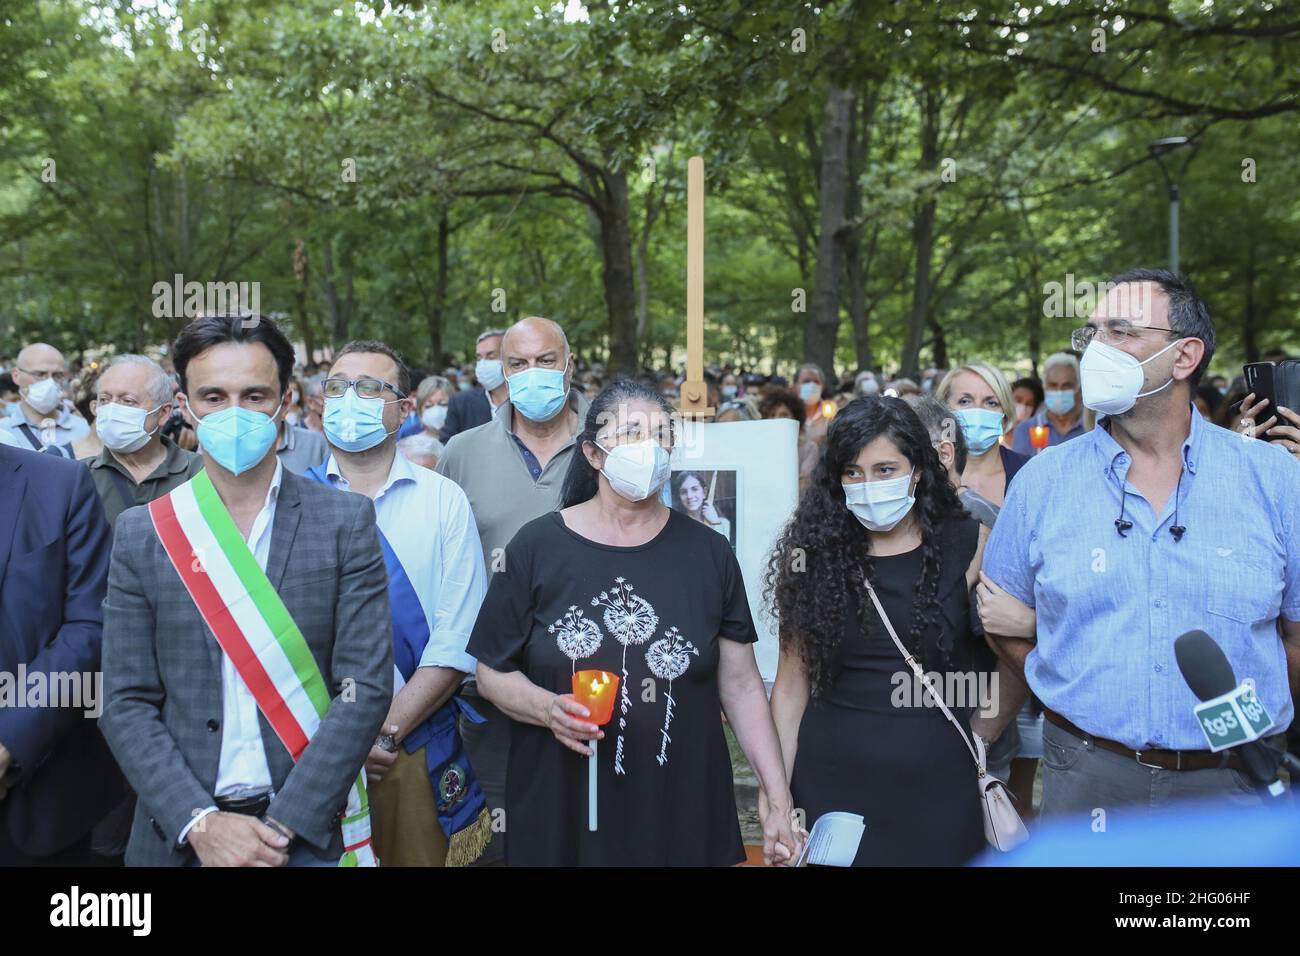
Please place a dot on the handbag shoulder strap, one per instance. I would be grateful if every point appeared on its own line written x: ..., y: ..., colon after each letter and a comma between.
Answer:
x: 977, y: 748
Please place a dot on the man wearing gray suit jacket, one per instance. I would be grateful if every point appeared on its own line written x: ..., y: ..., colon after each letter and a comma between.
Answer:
x: 216, y: 785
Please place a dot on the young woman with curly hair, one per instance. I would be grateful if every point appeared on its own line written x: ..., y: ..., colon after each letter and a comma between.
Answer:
x: 855, y: 733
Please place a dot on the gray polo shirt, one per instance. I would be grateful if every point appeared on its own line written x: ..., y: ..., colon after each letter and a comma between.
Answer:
x: 487, y: 464
x: 302, y: 449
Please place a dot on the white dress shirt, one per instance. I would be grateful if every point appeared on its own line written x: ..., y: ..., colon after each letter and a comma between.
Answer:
x: 427, y: 521
x: 243, y: 758
x: 242, y: 765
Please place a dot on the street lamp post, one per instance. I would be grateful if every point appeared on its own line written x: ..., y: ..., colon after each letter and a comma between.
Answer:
x: 1158, y: 149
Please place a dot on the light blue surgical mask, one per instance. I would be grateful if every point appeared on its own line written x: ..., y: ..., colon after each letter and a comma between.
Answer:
x: 1059, y: 401
x: 981, y: 427
x: 728, y: 392
x: 353, y: 423
x: 809, y: 392
x: 237, y: 438
x: 880, y: 505
x: 538, y: 393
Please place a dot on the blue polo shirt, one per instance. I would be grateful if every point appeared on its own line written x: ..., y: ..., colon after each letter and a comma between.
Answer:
x: 1110, y: 608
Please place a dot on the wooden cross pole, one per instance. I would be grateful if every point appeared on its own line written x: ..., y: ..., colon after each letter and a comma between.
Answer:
x: 694, y: 393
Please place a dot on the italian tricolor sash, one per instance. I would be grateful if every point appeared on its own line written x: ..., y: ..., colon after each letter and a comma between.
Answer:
x: 250, y: 622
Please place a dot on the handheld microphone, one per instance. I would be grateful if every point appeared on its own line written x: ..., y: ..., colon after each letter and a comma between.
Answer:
x: 1204, y: 666
x: 1208, y: 673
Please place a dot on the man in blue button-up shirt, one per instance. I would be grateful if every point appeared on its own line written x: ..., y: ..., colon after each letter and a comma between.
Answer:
x: 426, y: 522
x: 1153, y: 524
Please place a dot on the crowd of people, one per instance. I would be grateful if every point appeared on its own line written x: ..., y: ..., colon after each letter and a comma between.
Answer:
x: 331, y: 601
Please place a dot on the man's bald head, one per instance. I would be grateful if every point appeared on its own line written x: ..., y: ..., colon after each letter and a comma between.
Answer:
x: 39, y: 357
x: 536, y: 342
x: 37, y: 363
x: 532, y: 337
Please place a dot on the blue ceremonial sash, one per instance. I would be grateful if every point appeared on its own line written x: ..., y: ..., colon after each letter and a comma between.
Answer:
x: 459, y: 798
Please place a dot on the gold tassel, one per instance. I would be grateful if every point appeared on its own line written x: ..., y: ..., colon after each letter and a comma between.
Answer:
x: 467, y: 844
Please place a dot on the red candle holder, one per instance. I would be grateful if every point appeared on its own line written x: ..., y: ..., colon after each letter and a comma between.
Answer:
x: 596, y: 690
x: 1038, y: 436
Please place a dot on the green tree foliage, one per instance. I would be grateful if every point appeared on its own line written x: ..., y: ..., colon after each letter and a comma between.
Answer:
x: 889, y: 185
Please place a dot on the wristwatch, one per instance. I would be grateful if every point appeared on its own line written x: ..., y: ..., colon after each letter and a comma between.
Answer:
x: 386, y: 743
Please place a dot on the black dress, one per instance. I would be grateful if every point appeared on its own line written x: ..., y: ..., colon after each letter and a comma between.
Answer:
x: 904, y: 768
x: 652, y: 614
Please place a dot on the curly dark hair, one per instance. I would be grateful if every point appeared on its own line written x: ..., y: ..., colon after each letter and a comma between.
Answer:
x: 775, y: 397
x: 818, y: 565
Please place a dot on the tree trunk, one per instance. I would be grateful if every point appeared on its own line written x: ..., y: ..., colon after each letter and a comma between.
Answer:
x: 1033, y: 295
x: 922, y: 241
x: 1249, y: 327
x: 616, y: 254
x: 823, y: 324
x: 654, y: 202
x: 940, y: 346
x: 855, y: 275
x: 439, y: 296
x: 642, y: 285
x: 856, y: 263
x: 183, y: 225
x: 340, y: 312
x: 300, y: 271
x: 1035, y: 334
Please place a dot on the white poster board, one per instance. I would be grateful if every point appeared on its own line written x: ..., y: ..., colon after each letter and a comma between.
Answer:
x: 749, y: 473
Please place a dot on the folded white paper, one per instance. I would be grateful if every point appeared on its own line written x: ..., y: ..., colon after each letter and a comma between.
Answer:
x: 834, y: 840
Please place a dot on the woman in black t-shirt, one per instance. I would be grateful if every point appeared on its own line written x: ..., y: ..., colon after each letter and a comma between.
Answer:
x: 617, y: 581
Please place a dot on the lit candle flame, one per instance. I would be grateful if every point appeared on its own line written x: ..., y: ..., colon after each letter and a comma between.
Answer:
x: 595, y: 686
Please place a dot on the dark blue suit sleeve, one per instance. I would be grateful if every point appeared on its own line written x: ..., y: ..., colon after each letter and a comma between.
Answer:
x: 32, y: 733
x: 454, y: 424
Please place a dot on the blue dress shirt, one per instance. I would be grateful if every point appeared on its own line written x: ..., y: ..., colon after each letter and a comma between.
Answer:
x: 1109, y: 607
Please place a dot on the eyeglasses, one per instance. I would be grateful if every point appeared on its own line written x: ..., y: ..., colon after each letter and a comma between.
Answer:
x: 1114, y: 334
x: 635, y: 432
x: 59, y: 377
x: 633, y: 436
x: 365, y: 387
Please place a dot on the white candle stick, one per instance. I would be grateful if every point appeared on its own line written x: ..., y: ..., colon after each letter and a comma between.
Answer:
x: 591, y: 788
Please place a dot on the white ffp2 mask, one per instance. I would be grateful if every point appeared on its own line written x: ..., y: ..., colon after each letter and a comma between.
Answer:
x: 636, y: 470
x: 1111, y: 379
x: 45, y: 395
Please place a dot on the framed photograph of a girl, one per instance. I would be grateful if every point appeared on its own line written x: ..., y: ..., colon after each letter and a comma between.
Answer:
x: 708, y: 497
